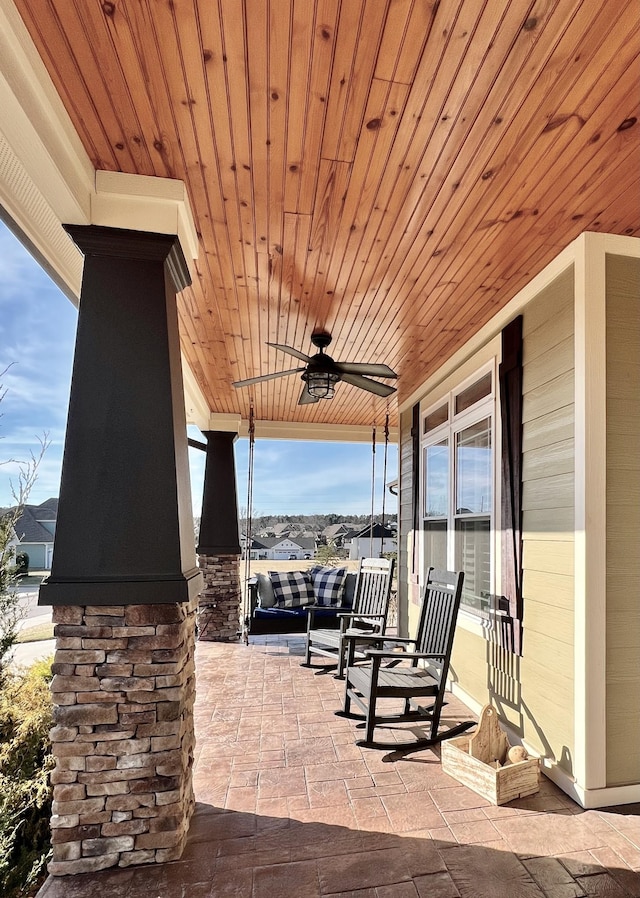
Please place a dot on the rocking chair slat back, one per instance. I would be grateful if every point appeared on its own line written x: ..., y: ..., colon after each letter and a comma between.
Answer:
x: 439, y: 609
x: 373, y: 587
x: 367, y: 615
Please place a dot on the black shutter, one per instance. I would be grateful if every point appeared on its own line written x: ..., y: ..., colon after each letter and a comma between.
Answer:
x: 510, y: 377
x: 414, y: 573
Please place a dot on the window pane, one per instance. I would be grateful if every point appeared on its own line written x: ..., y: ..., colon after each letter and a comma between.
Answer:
x: 436, y: 479
x: 473, y: 394
x: 436, y: 418
x: 473, y: 469
x: 473, y: 556
x: 435, y: 544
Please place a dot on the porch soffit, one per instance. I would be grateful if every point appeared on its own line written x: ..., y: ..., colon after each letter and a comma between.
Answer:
x: 392, y: 172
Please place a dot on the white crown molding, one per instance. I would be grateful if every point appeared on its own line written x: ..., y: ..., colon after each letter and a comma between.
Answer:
x: 196, y: 408
x: 143, y: 203
x: 218, y: 421
x: 327, y: 433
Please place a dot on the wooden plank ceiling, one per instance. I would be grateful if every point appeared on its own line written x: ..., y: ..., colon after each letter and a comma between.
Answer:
x: 392, y: 171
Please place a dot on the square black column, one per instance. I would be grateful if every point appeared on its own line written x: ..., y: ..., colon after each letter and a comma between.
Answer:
x: 124, y: 533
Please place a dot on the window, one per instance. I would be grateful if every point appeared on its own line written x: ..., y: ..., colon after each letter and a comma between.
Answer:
x: 458, y: 488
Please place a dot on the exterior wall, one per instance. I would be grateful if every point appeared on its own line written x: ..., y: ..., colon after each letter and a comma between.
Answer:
x: 37, y: 553
x: 366, y: 548
x: 534, y: 693
x: 623, y: 520
x: 547, y: 665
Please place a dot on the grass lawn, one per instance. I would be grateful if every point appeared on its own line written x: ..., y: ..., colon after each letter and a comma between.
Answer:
x: 36, y: 633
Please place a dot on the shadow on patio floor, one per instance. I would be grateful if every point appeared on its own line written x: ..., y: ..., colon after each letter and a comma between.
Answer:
x: 289, y: 807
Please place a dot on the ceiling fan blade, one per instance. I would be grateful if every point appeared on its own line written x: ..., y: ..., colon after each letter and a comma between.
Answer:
x: 291, y: 351
x: 374, y: 370
x: 263, y: 377
x: 306, y: 397
x: 357, y: 380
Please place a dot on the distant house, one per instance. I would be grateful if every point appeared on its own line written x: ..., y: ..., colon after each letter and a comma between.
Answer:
x: 273, y: 548
x: 336, y: 533
x: 371, y: 544
x: 34, y: 531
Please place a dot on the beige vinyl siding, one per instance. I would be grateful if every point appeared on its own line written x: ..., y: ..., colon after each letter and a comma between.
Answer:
x: 623, y: 520
x: 534, y: 693
x: 547, y: 664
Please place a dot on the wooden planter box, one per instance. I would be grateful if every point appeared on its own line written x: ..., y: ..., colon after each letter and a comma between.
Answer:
x: 472, y: 761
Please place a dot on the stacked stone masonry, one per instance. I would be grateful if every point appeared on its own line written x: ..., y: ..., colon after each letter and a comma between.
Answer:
x: 219, y: 603
x: 123, y: 740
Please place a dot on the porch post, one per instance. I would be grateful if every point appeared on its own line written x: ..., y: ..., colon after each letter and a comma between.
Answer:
x: 219, y: 543
x: 124, y: 580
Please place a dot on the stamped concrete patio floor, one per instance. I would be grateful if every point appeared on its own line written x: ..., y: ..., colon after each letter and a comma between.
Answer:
x: 288, y: 806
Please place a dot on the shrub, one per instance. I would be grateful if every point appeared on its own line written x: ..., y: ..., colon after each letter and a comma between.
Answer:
x: 22, y: 564
x: 25, y: 764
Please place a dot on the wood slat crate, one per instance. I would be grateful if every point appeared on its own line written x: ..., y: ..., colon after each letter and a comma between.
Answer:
x: 472, y: 761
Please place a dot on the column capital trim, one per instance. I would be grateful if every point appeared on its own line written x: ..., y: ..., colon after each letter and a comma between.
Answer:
x: 121, y: 590
x: 120, y: 243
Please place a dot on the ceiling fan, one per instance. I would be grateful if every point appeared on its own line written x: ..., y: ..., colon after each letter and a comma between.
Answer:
x: 320, y: 373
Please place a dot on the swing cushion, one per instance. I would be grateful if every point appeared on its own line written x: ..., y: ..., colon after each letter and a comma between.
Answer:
x: 266, y: 595
x: 292, y: 589
x: 328, y: 584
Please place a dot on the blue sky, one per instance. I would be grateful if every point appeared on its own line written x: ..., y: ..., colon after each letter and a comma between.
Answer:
x: 37, y: 336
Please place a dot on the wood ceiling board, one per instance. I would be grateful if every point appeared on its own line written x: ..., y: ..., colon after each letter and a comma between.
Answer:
x: 474, y: 258
x: 382, y: 235
x: 322, y: 53
x: 448, y: 201
x: 406, y: 205
x: 302, y: 35
x: 359, y: 36
x: 384, y: 108
x: 407, y: 30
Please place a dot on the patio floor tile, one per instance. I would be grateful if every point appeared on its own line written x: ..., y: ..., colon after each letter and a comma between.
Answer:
x: 288, y: 806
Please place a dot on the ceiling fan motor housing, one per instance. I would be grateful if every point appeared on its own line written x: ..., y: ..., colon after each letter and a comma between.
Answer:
x: 321, y: 339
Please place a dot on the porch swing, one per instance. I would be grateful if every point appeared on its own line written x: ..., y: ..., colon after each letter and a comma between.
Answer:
x: 282, y: 603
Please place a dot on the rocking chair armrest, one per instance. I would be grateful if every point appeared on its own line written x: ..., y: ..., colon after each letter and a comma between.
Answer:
x: 418, y: 656
x: 252, y: 587
x: 345, y: 616
x: 311, y: 613
x: 356, y: 614
x: 364, y: 637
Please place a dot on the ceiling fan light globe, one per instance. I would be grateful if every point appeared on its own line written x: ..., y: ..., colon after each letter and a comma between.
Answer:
x: 321, y: 384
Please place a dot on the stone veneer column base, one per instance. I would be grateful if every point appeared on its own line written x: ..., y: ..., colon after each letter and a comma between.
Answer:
x: 123, y: 740
x: 219, y: 602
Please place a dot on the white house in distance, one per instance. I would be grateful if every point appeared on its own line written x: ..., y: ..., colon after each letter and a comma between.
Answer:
x: 269, y: 548
x: 34, y: 533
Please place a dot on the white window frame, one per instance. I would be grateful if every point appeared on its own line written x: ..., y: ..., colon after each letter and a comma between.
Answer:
x: 484, y: 408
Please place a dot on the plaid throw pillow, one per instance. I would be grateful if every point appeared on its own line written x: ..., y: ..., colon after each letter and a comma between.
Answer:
x: 328, y: 584
x: 292, y: 588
